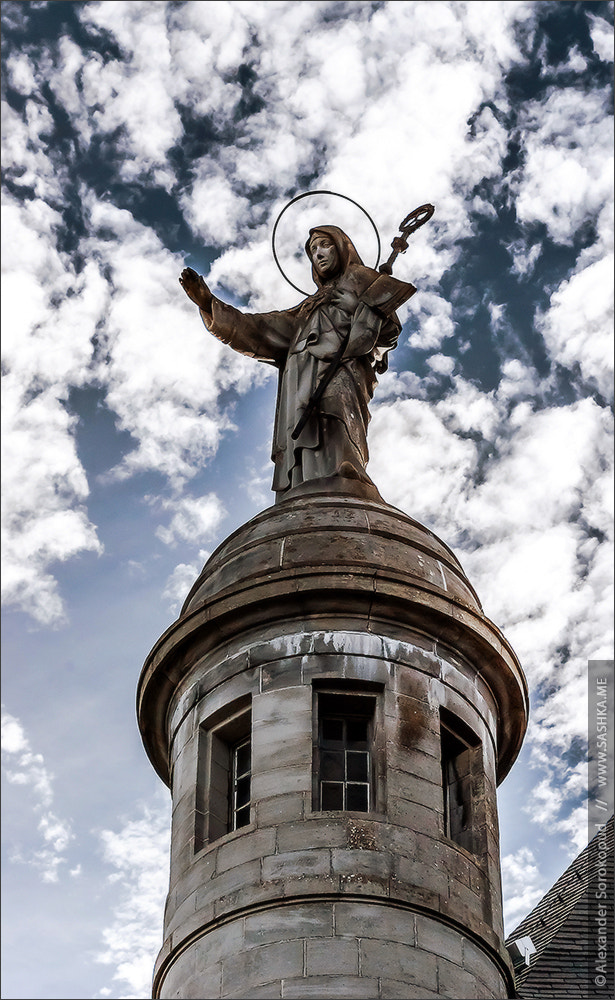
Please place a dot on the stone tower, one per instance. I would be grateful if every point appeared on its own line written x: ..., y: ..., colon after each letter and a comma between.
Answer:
x: 332, y: 712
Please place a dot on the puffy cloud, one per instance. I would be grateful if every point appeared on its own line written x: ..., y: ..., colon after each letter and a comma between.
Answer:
x: 523, y: 497
x: 333, y: 93
x: 524, y: 257
x: 327, y: 101
x: 549, y: 805
x: 181, y: 580
x: 30, y: 769
x: 602, y: 36
x: 578, y: 326
x: 132, y: 98
x: 431, y: 467
x: 522, y: 885
x: 26, y: 769
x: 138, y: 853
x: 232, y: 110
x: 442, y: 364
x: 49, y: 317
x: 566, y: 183
x: 43, y: 519
x: 163, y: 372
x: 566, y: 178
x: 27, y: 162
x: 194, y: 518
x: 433, y: 321
x: 214, y: 209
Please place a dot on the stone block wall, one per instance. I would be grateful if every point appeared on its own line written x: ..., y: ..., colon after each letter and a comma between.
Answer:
x: 303, y: 903
x: 321, y: 948
x: 316, y: 599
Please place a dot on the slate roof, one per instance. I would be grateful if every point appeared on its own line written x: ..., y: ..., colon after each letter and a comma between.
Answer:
x: 564, y: 931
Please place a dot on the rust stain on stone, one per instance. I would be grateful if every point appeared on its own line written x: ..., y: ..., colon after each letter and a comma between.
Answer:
x: 411, y: 722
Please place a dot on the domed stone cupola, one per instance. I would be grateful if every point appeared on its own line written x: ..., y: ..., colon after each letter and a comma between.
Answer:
x: 333, y: 711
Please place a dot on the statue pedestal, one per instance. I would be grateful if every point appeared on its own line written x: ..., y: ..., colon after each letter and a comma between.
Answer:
x: 341, y: 643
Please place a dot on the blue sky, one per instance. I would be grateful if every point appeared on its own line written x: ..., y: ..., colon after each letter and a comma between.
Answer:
x: 141, y: 137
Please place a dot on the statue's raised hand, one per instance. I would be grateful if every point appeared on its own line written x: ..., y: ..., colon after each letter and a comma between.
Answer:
x: 196, y: 289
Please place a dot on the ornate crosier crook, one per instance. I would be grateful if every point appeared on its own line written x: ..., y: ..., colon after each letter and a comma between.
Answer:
x: 410, y: 225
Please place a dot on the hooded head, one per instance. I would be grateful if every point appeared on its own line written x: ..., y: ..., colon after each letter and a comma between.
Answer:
x: 346, y: 252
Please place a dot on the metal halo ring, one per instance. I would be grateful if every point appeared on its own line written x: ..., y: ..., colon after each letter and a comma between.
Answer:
x: 308, y: 194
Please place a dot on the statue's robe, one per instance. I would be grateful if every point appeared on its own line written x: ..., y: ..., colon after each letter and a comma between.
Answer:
x: 301, y: 342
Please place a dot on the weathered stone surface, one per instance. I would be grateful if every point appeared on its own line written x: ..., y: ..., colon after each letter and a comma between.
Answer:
x: 266, y: 964
x: 339, y: 594
x: 239, y: 850
x: 339, y: 958
x: 367, y: 919
x: 441, y: 940
x: 392, y: 990
x: 297, y: 864
x: 301, y: 921
x: 332, y: 988
x: 459, y: 984
x: 315, y: 832
x: 402, y: 962
x: 280, y: 808
x: 258, y: 588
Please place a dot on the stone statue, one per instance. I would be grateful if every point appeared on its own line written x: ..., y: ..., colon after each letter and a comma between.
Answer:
x: 329, y: 350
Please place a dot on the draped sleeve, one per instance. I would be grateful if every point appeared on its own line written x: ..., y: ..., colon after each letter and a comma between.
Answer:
x: 264, y: 336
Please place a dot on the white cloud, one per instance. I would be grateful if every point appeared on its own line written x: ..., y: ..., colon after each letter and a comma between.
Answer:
x: 133, y: 97
x: 163, y: 371
x: 442, y: 364
x: 522, y: 886
x: 181, y: 580
x: 194, y: 519
x: 565, y: 183
x: 602, y: 36
x: 138, y: 853
x: 25, y: 769
x: 567, y: 174
x: 524, y: 257
x: 49, y: 318
x: 257, y: 483
x: 25, y: 157
x: 214, y: 209
x: 433, y: 322
x: 375, y: 103
x: 163, y: 375
x: 549, y: 804
x: 333, y: 94
x: 578, y: 326
x: 431, y: 465
x: 575, y: 62
x: 526, y: 531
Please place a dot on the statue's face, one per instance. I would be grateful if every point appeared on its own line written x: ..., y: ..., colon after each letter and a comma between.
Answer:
x: 325, y: 257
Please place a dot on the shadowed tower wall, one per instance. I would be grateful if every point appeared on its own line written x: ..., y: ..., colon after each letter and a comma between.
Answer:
x: 332, y: 712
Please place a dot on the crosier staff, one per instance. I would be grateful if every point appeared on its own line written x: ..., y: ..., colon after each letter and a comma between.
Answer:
x: 411, y: 223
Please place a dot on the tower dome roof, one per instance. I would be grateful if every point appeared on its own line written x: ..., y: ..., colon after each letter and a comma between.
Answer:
x: 332, y: 538
x: 327, y: 557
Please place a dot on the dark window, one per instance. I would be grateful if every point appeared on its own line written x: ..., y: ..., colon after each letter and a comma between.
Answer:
x: 461, y: 773
x: 239, y: 813
x: 344, y: 758
x: 224, y: 775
